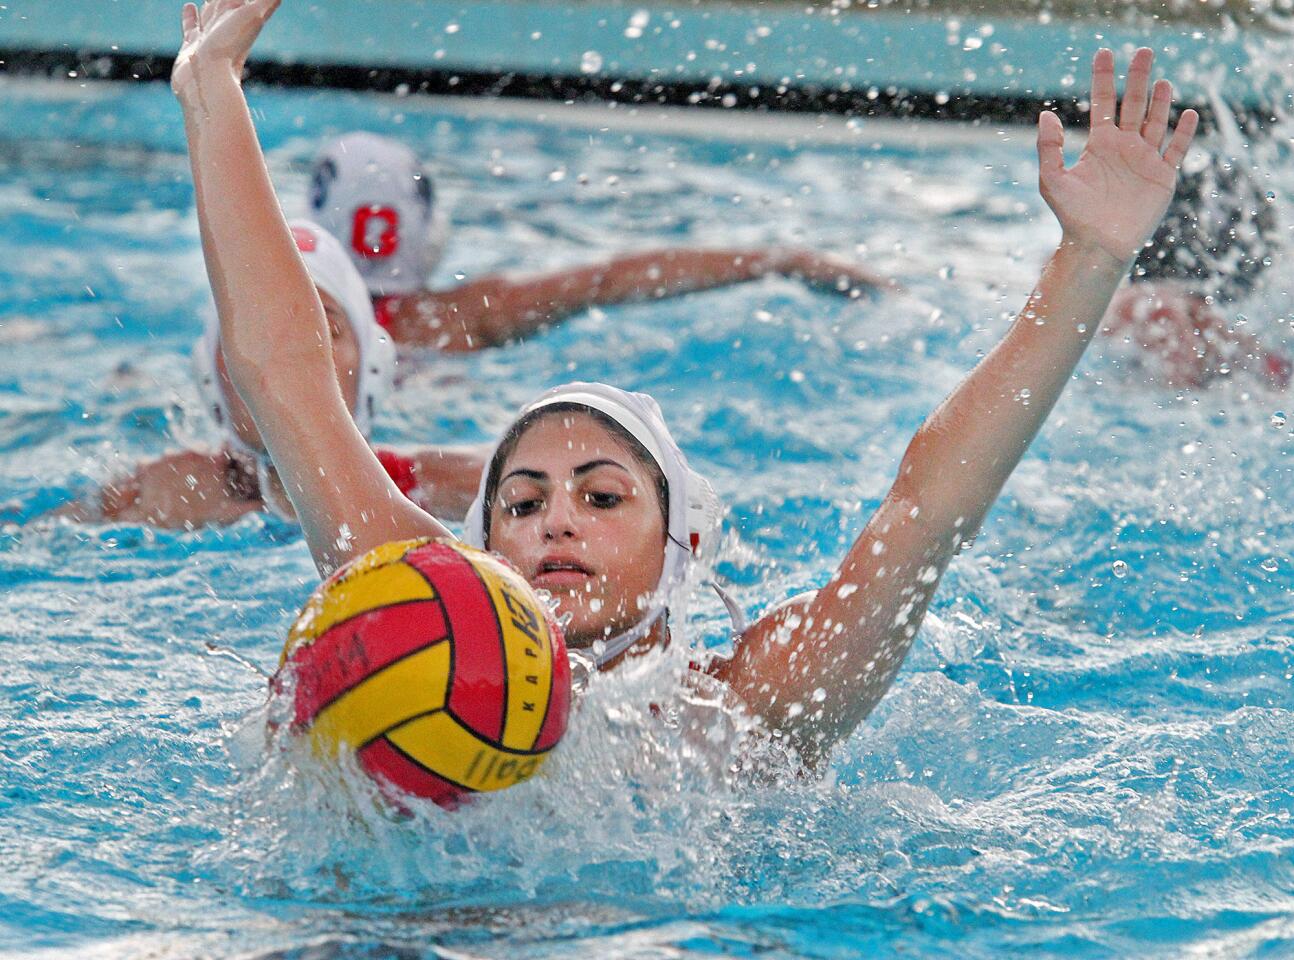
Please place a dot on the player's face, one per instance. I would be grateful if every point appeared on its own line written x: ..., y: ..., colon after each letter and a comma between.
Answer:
x: 345, y: 355
x: 578, y: 514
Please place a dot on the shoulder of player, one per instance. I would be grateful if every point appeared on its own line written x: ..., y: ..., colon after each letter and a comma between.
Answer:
x: 185, y: 466
x: 162, y: 491
x: 206, y: 475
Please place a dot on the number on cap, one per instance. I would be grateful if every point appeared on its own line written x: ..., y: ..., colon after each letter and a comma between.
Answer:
x: 375, y: 232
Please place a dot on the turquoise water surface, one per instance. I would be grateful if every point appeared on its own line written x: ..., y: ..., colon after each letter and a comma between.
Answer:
x: 1087, y: 753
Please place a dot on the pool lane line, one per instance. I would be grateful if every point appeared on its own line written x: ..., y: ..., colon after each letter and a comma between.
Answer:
x: 845, y: 101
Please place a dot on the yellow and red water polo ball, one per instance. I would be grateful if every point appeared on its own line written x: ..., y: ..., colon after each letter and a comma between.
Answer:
x: 437, y: 664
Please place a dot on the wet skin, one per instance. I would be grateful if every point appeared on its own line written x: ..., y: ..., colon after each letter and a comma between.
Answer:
x: 578, y: 515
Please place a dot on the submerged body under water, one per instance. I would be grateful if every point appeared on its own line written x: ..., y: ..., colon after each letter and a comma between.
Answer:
x: 1086, y: 754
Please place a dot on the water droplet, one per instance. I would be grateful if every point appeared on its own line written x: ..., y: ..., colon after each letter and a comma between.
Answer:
x: 1271, y: 565
x: 1120, y: 569
x: 637, y: 23
x: 591, y: 62
x: 1278, y: 418
x: 345, y: 539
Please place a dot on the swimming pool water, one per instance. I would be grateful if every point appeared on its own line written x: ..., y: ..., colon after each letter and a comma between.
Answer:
x: 1087, y: 753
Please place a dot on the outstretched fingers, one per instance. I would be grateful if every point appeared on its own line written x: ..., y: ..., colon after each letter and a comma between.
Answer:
x: 212, y: 9
x: 188, y: 21
x: 1155, y: 128
x: 1051, y: 146
x: 1136, y: 91
x: 208, y: 12
x: 197, y: 20
x: 1104, y: 96
x: 1187, y: 124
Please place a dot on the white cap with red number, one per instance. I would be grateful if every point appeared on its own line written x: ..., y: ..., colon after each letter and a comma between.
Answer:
x: 374, y: 195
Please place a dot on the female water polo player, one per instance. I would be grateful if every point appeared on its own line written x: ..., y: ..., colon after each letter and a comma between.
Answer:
x: 375, y: 196
x: 587, y: 495
x: 191, y: 488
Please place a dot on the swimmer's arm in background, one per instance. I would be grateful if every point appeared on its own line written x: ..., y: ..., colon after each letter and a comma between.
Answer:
x: 495, y: 309
x: 445, y: 479
x: 816, y: 668
x: 272, y: 324
x: 179, y: 491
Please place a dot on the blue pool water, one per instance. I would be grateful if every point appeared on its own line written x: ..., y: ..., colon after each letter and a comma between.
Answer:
x: 1079, y: 758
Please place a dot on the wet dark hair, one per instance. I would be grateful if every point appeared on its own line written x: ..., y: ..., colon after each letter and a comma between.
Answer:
x: 518, y: 429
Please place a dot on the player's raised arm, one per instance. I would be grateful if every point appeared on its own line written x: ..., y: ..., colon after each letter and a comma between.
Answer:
x: 817, y: 668
x: 272, y: 325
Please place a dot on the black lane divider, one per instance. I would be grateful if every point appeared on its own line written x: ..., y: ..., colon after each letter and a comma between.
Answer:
x: 856, y: 101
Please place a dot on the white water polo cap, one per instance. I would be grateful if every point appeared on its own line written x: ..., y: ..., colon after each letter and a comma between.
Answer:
x: 695, y: 513
x: 377, y: 198
x: 333, y: 273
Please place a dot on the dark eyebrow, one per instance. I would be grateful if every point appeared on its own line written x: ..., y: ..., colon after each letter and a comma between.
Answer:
x: 528, y: 474
x: 594, y: 464
x: 583, y: 468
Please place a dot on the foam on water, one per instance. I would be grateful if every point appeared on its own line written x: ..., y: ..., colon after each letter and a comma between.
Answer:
x: 1075, y: 760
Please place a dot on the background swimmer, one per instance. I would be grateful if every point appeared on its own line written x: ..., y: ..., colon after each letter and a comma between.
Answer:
x: 587, y: 518
x: 375, y: 196
x: 192, y: 487
x: 1178, y: 311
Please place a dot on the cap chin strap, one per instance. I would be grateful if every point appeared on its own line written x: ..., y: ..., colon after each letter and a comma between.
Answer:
x: 735, y: 613
x: 673, y: 576
x: 603, y: 652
